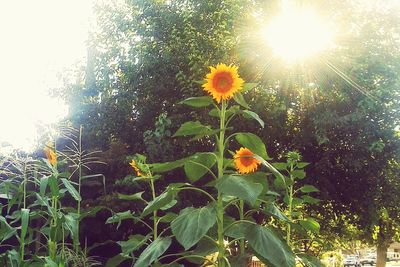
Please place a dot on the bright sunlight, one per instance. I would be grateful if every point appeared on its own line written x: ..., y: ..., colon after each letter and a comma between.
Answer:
x: 40, y: 40
x: 297, y: 34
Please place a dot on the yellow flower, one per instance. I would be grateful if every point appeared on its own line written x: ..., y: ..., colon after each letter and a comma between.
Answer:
x: 223, y: 82
x: 211, y: 260
x: 135, y: 167
x: 245, y: 161
x: 50, y: 153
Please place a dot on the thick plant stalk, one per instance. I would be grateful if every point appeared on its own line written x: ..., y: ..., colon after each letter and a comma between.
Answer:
x: 76, y: 246
x: 220, y: 208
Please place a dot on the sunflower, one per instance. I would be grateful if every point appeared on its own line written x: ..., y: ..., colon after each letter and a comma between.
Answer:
x: 223, y: 82
x: 245, y: 161
x: 136, y: 168
x: 50, y: 153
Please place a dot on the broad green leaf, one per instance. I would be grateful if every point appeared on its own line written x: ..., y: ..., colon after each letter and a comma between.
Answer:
x: 71, y: 189
x: 273, y: 210
x: 238, y: 261
x: 301, y: 165
x: 161, y: 201
x: 117, y: 260
x: 269, y: 247
x: 53, y: 184
x: 260, y: 178
x: 280, y: 166
x: 311, y: 225
x: 240, y: 187
x: 133, y: 243
x: 248, y: 86
x: 71, y: 223
x: 193, y: 128
x: 310, y: 261
x: 169, y: 205
x: 196, y: 167
x: 237, y: 230
x: 214, y: 113
x: 119, y: 217
x: 197, y: 102
x: 43, y: 185
x: 169, y: 217
x: 311, y: 200
x: 254, y: 143
x: 167, y: 166
x: 238, y: 97
x: 24, y: 222
x: 298, y: 174
x: 192, y: 224
x: 252, y: 115
x: 153, y: 251
x: 136, y: 196
x: 308, y: 189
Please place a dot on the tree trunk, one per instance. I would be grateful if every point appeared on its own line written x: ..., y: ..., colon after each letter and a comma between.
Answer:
x: 381, y: 254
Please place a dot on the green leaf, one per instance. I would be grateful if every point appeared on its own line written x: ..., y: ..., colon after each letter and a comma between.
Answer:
x: 248, y: 86
x: 214, y: 113
x: 161, y: 201
x: 43, y: 185
x: 133, y: 243
x: 192, y: 224
x: 240, y: 187
x: 237, y: 230
x: 136, y: 196
x: 311, y: 200
x: 119, y: 217
x: 117, y: 260
x: 301, y: 165
x: 311, y: 225
x: 24, y: 222
x: 298, y: 174
x: 153, y: 251
x: 71, y: 189
x: 308, y: 189
x: 238, y: 97
x: 169, y: 217
x: 6, y: 231
x: 254, y: 143
x: 273, y: 210
x: 167, y: 166
x: 193, y: 128
x: 269, y: 247
x: 71, y: 223
x: 196, y: 167
x: 53, y: 184
x: 280, y: 166
x: 252, y: 115
x: 310, y: 261
x: 197, y: 102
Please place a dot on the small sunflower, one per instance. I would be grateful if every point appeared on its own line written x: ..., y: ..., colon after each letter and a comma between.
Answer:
x: 136, y: 168
x: 223, y: 82
x: 245, y: 161
x: 50, y: 153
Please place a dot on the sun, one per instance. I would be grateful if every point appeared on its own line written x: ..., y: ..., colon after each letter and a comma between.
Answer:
x: 297, y: 34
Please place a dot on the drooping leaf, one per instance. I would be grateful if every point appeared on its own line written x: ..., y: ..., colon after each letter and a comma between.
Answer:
x: 254, y: 143
x: 136, y: 196
x: 162, y: 200
x: 116, y: 260
x: 153, y: 251
x: 71, y: 224
x: 133, y: 243
x: 240, y: 187
x: 71, y: 189
x: 269, y: 247
x: 196, y: 167
x: 192, y: 224
x: 6, y: 231
x: 167, y: 166
x: 193, y: 128
x: 308, y: 189
x: 238, y: 97
x: 197, y: 102
x: 252, y: 115
x: 273, y: 210
x: 119, y: 217
x: 310, y: 224
x: 24, y: 222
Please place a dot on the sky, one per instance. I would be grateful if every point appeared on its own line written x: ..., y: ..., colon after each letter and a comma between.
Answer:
x: 39, y: 39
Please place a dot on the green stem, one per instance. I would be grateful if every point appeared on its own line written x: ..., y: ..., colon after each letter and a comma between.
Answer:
x: 290, y: 208
x: 22, y: 241
x: 153, y: 192
x: 241, y: 209
x: 79, y: 185
x: 220, y: 207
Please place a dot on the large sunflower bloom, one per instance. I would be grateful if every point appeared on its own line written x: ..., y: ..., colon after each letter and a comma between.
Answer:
x: 223, y: 82
x: 245, y: 161
x: 50, y: 154
x: 136, y: 168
